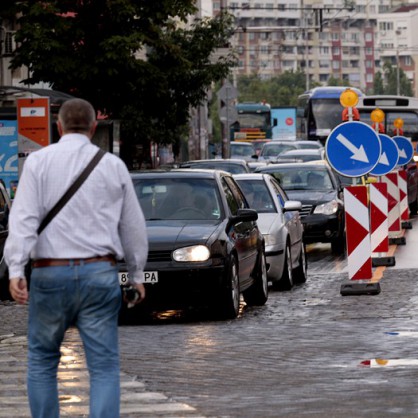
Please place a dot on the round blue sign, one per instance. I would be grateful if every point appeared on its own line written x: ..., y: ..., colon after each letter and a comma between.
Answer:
x: 353, y: 149
x: 406, y: 149
x: 388, y: 159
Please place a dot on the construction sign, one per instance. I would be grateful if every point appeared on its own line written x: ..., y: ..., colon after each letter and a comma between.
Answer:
x: 33, y: 126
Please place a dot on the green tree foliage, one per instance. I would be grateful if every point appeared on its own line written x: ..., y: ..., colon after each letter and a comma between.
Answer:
x: 135, y: 60
x: 281, y: 90
x: 378, y: 87
x: 388, y: 82
x: 332, y: 81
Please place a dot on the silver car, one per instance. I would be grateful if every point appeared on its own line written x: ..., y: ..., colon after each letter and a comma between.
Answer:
x: 281, y: 226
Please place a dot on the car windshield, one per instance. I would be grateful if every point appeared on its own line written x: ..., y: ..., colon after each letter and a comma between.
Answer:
x: 178, y: 198
x: 273, y: 150
x: 242, y: 150
x: 257, y: 195
x: 300, y: 178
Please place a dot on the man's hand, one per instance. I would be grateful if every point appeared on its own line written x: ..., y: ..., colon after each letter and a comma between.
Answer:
x: 18, y: 288
x: 141, y: 290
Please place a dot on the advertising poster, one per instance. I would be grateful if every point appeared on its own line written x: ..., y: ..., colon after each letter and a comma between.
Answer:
x: 286, y: 123
x: 33, y: 126
x: 8, y: 155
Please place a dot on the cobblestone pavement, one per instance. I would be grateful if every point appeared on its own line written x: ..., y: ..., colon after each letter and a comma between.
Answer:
x: 299, y: 356
x: 136, y: 400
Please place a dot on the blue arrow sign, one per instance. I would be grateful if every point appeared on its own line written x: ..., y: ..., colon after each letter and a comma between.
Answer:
x: 353, y: 149
x: 388, y: 159
x: 406, y: 149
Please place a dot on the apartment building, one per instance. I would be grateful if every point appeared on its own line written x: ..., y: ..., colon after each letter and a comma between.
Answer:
x: 341, y: 39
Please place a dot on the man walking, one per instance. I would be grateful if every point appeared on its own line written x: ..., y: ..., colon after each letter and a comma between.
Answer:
x: 74, y: 280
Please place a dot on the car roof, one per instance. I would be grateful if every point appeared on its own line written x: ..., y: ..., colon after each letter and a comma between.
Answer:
x: 250, y: 176
x: 246, y: 144
x: 179, y: 173
x: 306, y: 151
x: 308, y: 165
x: 217, y: 160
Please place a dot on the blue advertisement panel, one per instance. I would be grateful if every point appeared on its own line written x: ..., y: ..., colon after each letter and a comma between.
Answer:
x: 286, y: 123
x: 8, y: 155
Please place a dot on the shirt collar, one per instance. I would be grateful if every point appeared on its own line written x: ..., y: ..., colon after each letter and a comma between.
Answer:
x: 79, y: 138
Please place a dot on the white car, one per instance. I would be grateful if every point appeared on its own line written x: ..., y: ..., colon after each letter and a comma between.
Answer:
x: 281, y: 226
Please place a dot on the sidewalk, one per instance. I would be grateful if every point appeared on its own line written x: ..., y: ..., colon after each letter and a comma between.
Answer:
x: 72, y: 377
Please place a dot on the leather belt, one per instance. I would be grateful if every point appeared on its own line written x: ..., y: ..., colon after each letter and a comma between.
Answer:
x: 56, y: 262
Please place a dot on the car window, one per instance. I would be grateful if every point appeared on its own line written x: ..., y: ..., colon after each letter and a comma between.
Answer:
x: 234, y: 196
x: 257, y: 195
x: 281, y: 194
x: 303, y: 179
x: 272, y: 150
x: 242, y: 150
x: 178, y: 198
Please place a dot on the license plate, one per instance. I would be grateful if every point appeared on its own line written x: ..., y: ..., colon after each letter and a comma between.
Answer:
x: 149, y: 277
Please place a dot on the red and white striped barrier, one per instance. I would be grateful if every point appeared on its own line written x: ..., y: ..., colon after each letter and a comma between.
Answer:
x: 403, y: 195
x: 358, y: 233
x: 394, y: 215
x: 379, y: 226
x: 403, y: 199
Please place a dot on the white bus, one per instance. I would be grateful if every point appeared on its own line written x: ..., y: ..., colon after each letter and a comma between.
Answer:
x: 394, y: 107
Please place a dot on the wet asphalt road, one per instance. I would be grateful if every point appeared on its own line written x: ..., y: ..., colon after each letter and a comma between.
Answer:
x: 299, y: 355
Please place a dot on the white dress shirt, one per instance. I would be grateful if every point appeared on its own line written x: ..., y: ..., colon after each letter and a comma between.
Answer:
x: 103, y: 217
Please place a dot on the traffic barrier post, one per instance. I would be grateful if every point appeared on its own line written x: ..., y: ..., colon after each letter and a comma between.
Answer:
x: 394, y: 215
x: 359, y: 258
x: 379, y: 226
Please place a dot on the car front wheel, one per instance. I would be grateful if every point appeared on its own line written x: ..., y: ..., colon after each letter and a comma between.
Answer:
x: 257, y: 294
x: 230, y: 294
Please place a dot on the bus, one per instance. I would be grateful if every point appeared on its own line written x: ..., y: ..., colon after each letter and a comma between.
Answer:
x: 254, y: 122
x: 394, y: 107
x: 318, y: 112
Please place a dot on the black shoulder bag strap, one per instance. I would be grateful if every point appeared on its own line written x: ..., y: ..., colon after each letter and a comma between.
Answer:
x: 71, y: 190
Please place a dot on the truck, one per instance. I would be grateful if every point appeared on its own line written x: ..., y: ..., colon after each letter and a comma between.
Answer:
x: 254, y: 122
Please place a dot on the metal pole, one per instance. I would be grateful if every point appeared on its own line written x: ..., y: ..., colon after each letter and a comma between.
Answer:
x: 398, y: 79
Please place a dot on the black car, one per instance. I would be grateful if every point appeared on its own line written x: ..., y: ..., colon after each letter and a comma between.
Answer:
x: 321, y: 194
x: 205, y: 248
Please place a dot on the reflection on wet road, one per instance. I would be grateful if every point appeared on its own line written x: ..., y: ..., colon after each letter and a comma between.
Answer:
x: 322, y: 260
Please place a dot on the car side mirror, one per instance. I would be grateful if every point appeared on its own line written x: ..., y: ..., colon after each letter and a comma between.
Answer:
x: 292, y: 205
x: 243, y: 215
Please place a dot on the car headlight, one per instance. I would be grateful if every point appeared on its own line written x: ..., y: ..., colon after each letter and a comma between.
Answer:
x: 193, y: 253
x: 328, y: 208
x: 269, y: 239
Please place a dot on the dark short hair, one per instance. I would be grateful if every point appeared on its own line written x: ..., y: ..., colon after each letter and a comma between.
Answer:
x: 76, y: 115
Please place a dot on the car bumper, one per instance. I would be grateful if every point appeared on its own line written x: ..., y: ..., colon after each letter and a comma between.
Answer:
x: 322, y: 228
x: 184, y: 286
x: 274, y: 260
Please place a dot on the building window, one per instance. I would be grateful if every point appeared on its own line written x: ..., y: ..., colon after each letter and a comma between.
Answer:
x: 335, y: 50
x: 369, y: 78
x: 384, y: 26
x: 407, y: 60
x: 335, y: 65
x: 368, y: 37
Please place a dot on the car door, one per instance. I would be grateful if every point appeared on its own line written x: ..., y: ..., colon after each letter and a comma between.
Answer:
x: 245, y: 235
x: 291, y: 219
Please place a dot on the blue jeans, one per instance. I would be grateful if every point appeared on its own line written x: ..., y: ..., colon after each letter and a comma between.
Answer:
x: 88, y: 297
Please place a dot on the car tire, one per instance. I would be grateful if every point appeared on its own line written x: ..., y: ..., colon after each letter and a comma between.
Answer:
x: 300, y: 273
x: 413, y: 207
x: 257, y: 294
x: 228, y: 307
x: 286, y: 281
x: 338, y: 246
